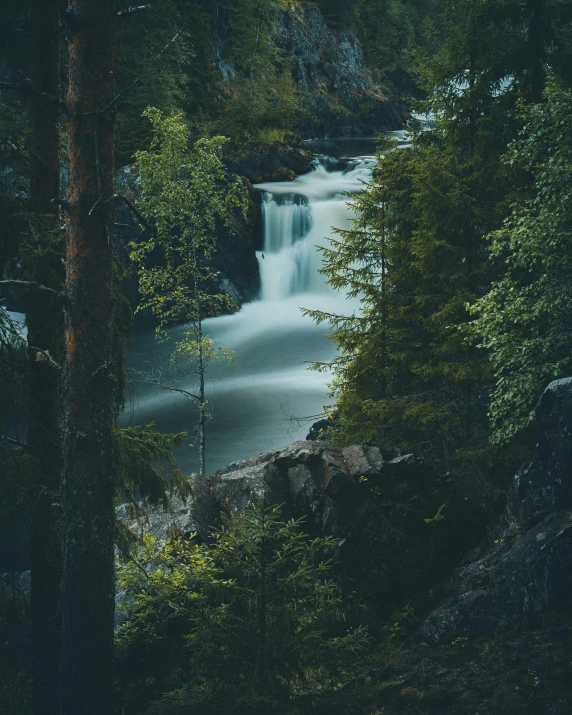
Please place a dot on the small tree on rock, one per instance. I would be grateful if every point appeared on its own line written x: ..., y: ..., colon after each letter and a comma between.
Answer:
x: 185, y: 195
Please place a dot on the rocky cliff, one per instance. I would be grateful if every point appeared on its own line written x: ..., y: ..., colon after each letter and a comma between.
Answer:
x: 341, y: 96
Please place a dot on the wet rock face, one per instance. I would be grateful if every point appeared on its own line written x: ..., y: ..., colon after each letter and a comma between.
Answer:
x: 381, y: 505
x: 329, y: 68
x: 528, y: 569
x: 545, y: 485
x: 276, y: 162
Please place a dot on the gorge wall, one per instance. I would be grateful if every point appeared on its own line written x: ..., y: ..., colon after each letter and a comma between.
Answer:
x: 329, y: 68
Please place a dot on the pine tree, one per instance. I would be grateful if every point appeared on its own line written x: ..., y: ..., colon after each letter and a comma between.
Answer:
x: 89, y: 381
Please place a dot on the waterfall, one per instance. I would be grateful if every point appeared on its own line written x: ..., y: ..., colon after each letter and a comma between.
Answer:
x: 298, y: 218
x: 254, y: 398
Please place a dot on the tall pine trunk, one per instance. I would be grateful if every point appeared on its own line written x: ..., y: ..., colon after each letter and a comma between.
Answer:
x: 44, y: 322
x: 89, y: 389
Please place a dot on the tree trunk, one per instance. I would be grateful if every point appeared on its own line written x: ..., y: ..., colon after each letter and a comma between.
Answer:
x: 261, y: 660
x: 201, y: 370
x: 202, y: 403
x: 44, y: 319
x: 88, y: 477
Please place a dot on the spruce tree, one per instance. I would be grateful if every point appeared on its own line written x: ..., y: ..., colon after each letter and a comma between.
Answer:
x: 405, y: 373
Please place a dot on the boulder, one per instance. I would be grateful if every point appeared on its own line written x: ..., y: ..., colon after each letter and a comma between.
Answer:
x: 544, y: 486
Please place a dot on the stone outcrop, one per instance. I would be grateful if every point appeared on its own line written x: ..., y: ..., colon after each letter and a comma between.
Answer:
x: 527, y: 570
x: 401, y: 527
x: 277, y: 162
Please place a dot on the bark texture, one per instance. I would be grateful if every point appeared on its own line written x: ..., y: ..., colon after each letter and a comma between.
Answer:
x: 44, y: 322
x: 88, y: 516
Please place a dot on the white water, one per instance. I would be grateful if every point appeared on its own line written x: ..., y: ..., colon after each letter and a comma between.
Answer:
x: 253, y: 399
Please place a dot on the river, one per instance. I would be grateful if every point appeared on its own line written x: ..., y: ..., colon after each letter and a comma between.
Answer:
x: 268, y: 397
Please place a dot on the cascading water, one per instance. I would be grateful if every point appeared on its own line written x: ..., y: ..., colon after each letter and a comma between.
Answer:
x: 284, y: 262
x: 297, y: 224
x: 254, y: 398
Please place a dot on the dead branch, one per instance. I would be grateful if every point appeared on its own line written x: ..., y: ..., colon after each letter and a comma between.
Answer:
x: 123, y: 92
x: 32, y: 285
x: 25, y: 86
x: 48, y: 358
x: 132, y: 10
x: 155, y: 378
x: 137, y: 80
x: 14, y: 442
x: 131, y: 206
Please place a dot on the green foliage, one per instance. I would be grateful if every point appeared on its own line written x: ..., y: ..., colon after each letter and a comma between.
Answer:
x: 265, y: 107
x: 168, y: 57
x: 184, y: 193
x: 251, y: 43
x: 416, y: 256
x: 241, y: 624
x: 165, y: 58
x: 525, y: 318
x: 496, y: 42
x: 390, y: 30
